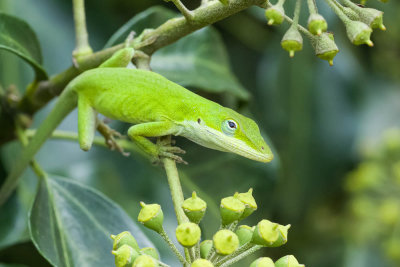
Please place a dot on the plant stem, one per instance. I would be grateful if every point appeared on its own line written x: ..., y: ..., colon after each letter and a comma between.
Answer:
x: 23, y: 138
x: 82, y: 46
x: 185, y: 12
x: 164, y: 235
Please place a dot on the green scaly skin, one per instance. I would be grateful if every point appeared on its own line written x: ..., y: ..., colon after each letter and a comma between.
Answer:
x: 157, y: 107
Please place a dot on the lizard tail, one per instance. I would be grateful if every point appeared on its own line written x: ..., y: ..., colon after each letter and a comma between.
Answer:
x: 65, y: 104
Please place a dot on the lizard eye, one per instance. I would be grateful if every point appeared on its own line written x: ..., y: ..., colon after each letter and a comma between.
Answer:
x: 229, y: 127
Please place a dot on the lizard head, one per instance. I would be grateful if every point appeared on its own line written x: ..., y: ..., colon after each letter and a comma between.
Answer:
x: 226, y: 130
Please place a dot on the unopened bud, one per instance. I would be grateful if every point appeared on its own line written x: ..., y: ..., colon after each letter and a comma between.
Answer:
x: 145, y: 261
x: 244, y: 233
x: 125, y: 256
x: 275, y: 14
x: 231, y: 210
x: 194, y: 208
x: 270, y: 234
x: 288, y: 261
x: 124, y: 238
x: 249, y: 202
x: 225, y: 242
x: 205, y: 248
x: 358, y: 32
x: 263, y: 262
x: 325, y: 47
x: 151, y: 216
x: 317, y: 24
x: 202, y: 263
x: 292, y: 41
x: 188, y: 234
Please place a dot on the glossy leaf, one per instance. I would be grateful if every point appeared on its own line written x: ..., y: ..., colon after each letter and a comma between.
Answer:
x: 70, y: 224
x: 18, y: 37
x: 198, y: 60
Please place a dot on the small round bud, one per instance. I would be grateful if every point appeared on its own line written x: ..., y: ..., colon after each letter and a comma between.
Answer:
x: 317, y: 24
x: 188, y: 234
x: 194, y: 208
x: 249, y: 202
x: 202, y: 263
x: 270, y: 234
x: 124, y: 238
x: 372, y: 17
x: 225, y: 242
x: 152, y: 252
x: 263, y: 262
x: 231, y: 210
x: 275, y: 15
x: 358, y: 32
x: 288, y: 261
x: 145, y: 261
x: 151, y: 216
x: 244, y: 233
x: 292, y: 41
x: 325, y: 47
x: 205, y: 248
x: 124, y: 256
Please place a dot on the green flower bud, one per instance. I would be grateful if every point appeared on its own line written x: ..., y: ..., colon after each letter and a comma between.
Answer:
x: 124, y: 238
x: 125, y: 256
x: 370, y: 16
x: 244, y: 233
x: 275, y: 14
x: 188, y: 234
x: 325, y: 47
x: 145, y: 261
x: 225, y: 242
x: 288, y: 261
x: 152, y: 252
x: 151, y: 216
x: 358, y: 32
x: 194, y: 208
x: 202, y: 263
x: 270, y: 234
x: 317, y: 24
x: 292, y: 41
x: 205, y: 248
x: 231, y: 210
x: 249, y: 202
x: 263, y: 262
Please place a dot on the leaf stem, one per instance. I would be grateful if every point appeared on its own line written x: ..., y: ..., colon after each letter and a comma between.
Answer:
x: 185, y: 12
x: 82, y: 46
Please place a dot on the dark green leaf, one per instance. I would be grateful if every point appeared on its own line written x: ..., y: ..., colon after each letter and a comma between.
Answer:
x: 198, y: 60
x: 71, y: 224
x: 18, y: 37
x: 11, y: 265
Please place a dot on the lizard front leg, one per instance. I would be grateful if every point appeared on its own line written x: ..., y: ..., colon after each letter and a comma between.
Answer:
x: 139, y: 133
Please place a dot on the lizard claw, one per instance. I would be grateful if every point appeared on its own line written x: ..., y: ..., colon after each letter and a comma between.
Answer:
x: 167, y: 150
x: 110, y: 136
x: 173, y: 157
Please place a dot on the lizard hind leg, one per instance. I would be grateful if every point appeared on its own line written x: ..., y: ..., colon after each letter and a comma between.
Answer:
x: 86, y: 123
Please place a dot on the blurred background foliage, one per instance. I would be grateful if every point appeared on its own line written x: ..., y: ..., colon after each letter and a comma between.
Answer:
x: 326, y: 125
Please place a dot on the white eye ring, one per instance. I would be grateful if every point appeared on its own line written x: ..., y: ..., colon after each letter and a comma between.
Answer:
x: 229, y: 127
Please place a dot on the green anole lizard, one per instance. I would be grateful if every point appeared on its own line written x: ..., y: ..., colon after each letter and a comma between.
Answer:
x: 156, y: 106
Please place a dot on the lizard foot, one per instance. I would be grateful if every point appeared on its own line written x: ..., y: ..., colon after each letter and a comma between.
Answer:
x: 168, y: 151
x: 110, y: 136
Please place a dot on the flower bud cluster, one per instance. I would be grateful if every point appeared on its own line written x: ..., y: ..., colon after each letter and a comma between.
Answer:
x: 359, y: 23
x: 374, y: 201
x: 231, y: 242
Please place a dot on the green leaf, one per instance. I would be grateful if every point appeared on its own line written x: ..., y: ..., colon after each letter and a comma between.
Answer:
x: 70, y: 224
x: 11, y: 265
x: 198, y: 60
x: 18, y: 37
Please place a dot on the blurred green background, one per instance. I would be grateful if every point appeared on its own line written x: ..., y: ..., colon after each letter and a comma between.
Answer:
x: 322, y: 122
